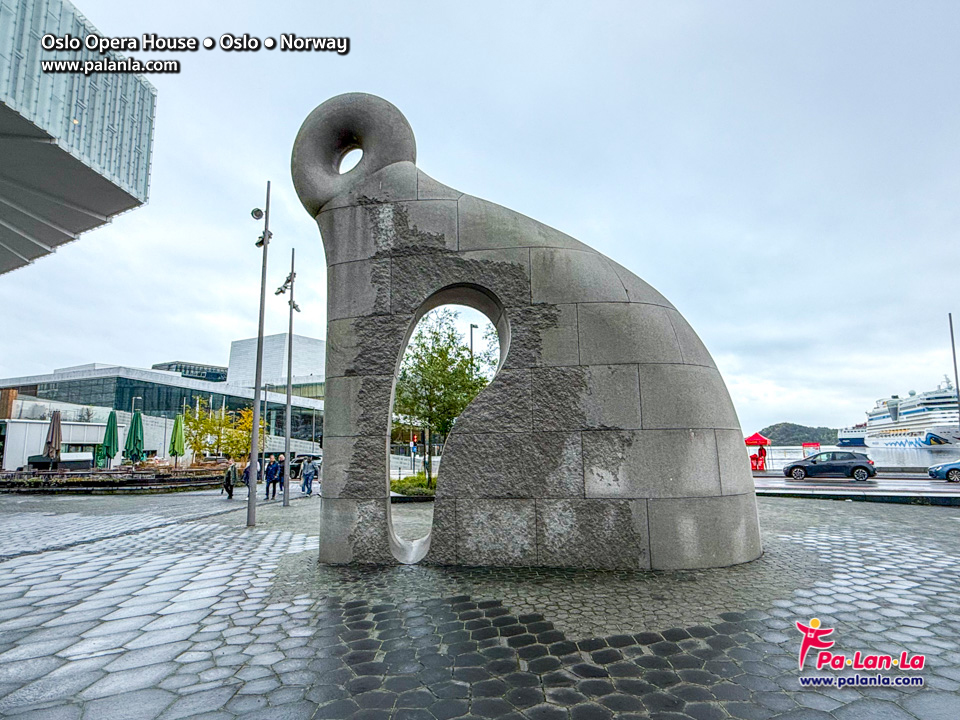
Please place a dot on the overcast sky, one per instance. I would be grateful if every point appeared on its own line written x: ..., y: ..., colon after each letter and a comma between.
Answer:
x: 787, y: 174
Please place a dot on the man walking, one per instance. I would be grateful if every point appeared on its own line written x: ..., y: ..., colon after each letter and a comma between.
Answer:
x: 272, y: 477
x: 229, y: 480
x: 309, y: 472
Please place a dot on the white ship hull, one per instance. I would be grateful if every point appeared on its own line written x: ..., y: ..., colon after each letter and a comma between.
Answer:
x: 926, y: 420
x: 929, y: 437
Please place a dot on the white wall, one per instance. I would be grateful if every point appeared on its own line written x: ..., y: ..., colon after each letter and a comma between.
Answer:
x: 26, y: 438
x: 309, y: 358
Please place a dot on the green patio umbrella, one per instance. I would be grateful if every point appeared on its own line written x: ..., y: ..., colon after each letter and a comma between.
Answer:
x: 111, y: 439
x: 178, y: 441
x: 133, y: 448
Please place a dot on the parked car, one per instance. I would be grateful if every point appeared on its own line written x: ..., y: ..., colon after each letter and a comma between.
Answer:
x: 836, y: 462
x: 296, y: 465
x: 945, y: 471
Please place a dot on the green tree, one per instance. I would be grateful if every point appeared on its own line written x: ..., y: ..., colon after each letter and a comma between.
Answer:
x: 200, y: 428
x: 437, y: 379
x: 236, y: 435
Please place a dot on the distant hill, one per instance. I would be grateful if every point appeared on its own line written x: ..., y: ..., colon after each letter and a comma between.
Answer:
x: 791, y: 434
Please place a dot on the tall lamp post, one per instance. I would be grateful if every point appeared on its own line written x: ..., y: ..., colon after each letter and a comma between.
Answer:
x: 472, y: 328
x: 953, y: 347
x: 288, y: 285
x: 263, y: 242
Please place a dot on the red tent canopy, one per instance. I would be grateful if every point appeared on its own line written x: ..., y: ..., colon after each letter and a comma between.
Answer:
x: 757, y: 439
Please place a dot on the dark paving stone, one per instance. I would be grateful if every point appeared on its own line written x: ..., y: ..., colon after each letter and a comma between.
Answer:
x: 590, y: 711
x: 585, y: 670
x: 490, y: 707
x: 546, y: 712
x: 620, y: 703
x: 565, y: 696
x: 445, y: 709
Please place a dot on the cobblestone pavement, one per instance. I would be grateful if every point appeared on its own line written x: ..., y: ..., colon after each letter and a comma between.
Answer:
x: 172, y: 615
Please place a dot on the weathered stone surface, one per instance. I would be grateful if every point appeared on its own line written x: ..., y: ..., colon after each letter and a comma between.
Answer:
x: 389, y: 229
x: 735, y: 475
x: 496, y: 532
x: 362, y: 403
x: 626, y: 333
x: 606, y: 407
x: 586, y: 397
x: 485, y: 225
x: 558, y: 341
x: 613, y: 397
x: 443, y: 535
x: 503, y: 406
x: 703, y: 532
x: 368, y: 537
x: 355, y: 467
x: 534, y: 327
x: 369, y: 345
x: 580, y: 533
x: 558, y: 398
x: 692, y: 349
x: 338, y: 518
x: 392, y: 184
x: 651, y: 464
x: 419, y: 278
x: 515, y: 465
x: 358, y: 288
x: 564, y: 276
x: 685, y: 396
x: 430, y: 189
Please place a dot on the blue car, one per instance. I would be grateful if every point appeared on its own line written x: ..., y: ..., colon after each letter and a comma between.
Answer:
x: 945, y: 471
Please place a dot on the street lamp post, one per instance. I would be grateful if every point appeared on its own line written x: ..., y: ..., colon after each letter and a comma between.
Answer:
x: 953, y: 347
x: 472, y: 327
x: 132, y: 401
x: 264, y: 242
x: 288, y: 285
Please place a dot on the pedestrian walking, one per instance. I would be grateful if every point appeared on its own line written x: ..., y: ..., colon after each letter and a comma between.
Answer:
x: 308, y: 474
x: 229, y: 480
x: 272, y: 477
x: 282, y: 463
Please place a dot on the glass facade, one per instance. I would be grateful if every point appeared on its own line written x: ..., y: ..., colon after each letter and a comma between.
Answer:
x: 167, y: 401
x: 105, y: 120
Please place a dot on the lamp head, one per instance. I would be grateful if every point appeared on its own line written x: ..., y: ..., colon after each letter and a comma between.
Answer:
x: 257, y: 214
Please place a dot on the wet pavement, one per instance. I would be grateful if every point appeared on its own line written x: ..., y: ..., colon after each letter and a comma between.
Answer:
x: 168, y: 607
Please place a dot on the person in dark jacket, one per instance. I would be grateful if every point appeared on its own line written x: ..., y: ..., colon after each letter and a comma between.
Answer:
x: 283, y: 465
x: 230, y: 479
x: 273, y: 476
x: 308, y: 473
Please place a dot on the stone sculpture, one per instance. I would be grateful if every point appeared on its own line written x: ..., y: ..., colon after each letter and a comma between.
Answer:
x: 607, y: 438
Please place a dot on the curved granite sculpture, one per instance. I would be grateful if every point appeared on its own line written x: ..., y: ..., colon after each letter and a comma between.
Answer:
x: 607, y: 438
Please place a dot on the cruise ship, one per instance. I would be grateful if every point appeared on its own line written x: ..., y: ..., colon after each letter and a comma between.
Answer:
x: 920, y: 420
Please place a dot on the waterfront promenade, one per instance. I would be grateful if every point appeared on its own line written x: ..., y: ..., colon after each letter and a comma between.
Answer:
x: 168, y: 607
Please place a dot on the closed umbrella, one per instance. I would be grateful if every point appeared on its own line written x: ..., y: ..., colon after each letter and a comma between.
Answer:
x: 133, y: 448
x: 51, y: 447
x: 178, y: 441
x: 111, y: 438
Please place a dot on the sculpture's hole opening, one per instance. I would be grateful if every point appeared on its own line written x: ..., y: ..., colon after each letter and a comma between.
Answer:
x: 452, y: 355
x: 350, y: 160
x: 452, y: 352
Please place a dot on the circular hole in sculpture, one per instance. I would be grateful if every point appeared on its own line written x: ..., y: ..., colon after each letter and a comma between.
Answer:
x: 438, y: 377
x: 350, y: 160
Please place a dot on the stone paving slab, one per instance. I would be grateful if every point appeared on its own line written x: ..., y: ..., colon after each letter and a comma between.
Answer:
x: 203, y: 618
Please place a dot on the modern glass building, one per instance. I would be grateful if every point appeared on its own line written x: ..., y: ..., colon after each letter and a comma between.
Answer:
x: 164, y: 394
x: 75, y: 149
x: 211, y: 373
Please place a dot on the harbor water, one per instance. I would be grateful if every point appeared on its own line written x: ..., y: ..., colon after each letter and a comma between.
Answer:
x: 778, y: 456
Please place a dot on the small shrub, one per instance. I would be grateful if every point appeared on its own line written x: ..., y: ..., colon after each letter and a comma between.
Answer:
x: 412, y: 485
